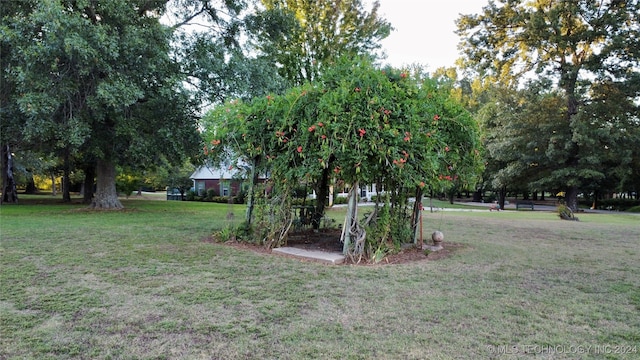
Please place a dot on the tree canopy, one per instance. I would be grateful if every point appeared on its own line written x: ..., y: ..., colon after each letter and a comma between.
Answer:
x: 303, y: 37
x: 101, y: 81
x: 579, y: 46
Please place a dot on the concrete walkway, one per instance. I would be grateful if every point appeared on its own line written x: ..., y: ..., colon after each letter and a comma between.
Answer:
x: 326, y: 257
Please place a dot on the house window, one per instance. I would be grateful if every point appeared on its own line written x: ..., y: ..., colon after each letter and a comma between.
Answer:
x: 224, y: 188
x: 200, y: 187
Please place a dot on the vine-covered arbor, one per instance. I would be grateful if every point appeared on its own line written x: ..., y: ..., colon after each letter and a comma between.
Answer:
x: 360, y: 124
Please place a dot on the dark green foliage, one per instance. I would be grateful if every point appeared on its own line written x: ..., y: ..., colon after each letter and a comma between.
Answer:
x: 585, y: 54
x: 617, y: 204
x: 210, y: 194
x: 100, y: 82
x: 340, y: 200
x: 359, y: 124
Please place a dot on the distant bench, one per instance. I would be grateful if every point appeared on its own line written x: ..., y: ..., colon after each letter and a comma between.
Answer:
x: 524, y: 204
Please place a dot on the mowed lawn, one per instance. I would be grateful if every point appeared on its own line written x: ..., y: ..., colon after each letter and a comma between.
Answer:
x: 142, y: 284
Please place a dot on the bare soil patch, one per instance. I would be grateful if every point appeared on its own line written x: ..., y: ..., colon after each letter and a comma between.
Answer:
x: 329, y: 240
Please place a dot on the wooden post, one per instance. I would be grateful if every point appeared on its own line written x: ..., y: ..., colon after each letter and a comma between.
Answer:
x: 421, y: 240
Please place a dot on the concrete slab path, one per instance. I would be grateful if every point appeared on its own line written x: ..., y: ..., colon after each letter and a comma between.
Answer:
x: 313, y: 255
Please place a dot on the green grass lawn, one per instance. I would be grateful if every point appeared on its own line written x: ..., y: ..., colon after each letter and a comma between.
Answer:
x: 142, y: 284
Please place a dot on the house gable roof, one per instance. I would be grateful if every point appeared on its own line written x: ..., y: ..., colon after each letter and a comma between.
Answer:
x: 208, y: 172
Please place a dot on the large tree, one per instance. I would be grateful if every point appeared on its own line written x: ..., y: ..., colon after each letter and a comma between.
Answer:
x: 570, y: 42
x: 301, y: 37
x: 102, y: 79
x: 11, y: 118
x: 610, y: 133
x: 521, y: 132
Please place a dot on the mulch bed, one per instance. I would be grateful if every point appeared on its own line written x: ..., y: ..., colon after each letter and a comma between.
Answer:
x: 329, y: 240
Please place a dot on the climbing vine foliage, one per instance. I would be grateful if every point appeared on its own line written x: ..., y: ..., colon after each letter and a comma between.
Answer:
x: 359, y: 125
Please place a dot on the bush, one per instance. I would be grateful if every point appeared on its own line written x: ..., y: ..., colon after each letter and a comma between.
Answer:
x: 617, y: 204
x: 210, y: 194
x: 379, y: 198
x: 240, y: 233
x: 224, y: 199
x: 340, y: 200
x: 491, y: 198
x: 218, y: 199
x: 240, y: 198
x: 224, y: 235
x: 565, y: 213
x: 126, y: 185
x: 243, y: 231
x: 345, y: 200
x: 299, y: 192
x: 635, y: 209
x: 300, y: 202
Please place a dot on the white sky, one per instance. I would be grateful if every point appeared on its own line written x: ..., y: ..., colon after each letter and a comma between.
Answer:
x: 424, y: 30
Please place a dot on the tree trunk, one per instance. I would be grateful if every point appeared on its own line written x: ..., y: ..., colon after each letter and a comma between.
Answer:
x: 352, y: 234
x: 106, y: 196
x: 250, y: 201
x: 31, y: 185
x: 54, y: 189
x: 89, y: 181
x: 571, y: 198
x: 9, y: 191
x: 66, y: 180
x: 416, y: 217
x: 502, y: 195
x: 66, y: 184
x: 330, y: 195
x: 322, y: 193
x: 477, y: 195
x: 571, y: 195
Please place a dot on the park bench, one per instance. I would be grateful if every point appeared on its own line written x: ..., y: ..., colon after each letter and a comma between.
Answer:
x: 524, y: 203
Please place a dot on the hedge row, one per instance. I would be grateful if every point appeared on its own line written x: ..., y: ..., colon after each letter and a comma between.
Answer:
x: 614, y: 204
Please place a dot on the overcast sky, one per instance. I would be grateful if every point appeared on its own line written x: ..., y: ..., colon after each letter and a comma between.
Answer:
x: 424, y: 30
